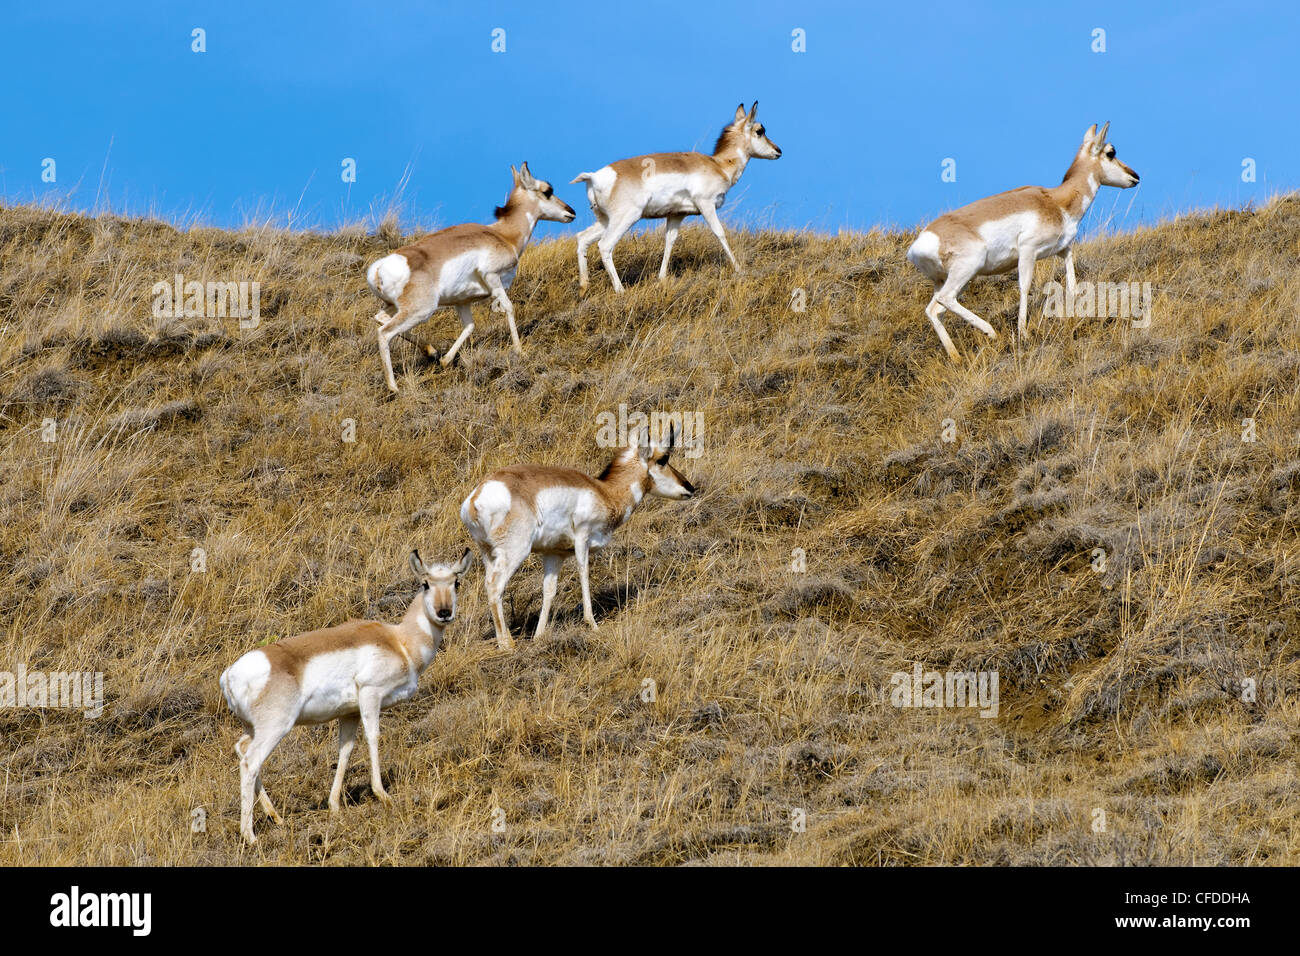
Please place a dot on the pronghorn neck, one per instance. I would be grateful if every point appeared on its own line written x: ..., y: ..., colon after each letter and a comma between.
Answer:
x: 516, y: 222
x: 624, y: 483
x: 1079, y: 187
x: 418, y: 630
x: 729, y: 154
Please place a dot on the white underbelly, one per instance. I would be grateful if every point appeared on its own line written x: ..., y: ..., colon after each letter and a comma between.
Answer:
x: 328, y: 703
x: 670, y: 204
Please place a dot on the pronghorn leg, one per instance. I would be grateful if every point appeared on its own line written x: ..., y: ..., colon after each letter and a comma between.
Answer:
x: 932, y: 313
x: 253, y: 752
x: 586, y: 238
x: 710, y: 215
x: 504, y: 563
x: 958, y: 275
x: 493, y: 282
x: 403, y: 321
x: 494, y: 582
x: 614, y: 231
x: 467, y: 326
x: 581, y: 553
x: 264, y: 799
x: 347, y: 740
x: 671, y: 225
x: 550, y: 580
x: 368, y: 702
x: 1026, y: 275
x: 386, y: 313
x: 1069, y: 274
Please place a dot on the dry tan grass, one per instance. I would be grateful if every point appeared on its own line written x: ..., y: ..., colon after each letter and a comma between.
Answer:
x: 1119, y: 690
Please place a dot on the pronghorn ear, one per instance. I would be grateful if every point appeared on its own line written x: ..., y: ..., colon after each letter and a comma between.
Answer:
x: 514, y: 173
x: 1100, y: 142
x: 753, y: 112
x: 525, y: 177
x: 466, y: 560
x: 667, y: 447
x: 1089, y: 135
x: 644, y: 449
x: 417, y: 566
x: 740, y: 114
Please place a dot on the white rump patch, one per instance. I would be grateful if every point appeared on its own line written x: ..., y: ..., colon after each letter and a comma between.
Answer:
x: 388, y: 276
x: 926, y: 247
x: 243, y: 682
x: 491, y: 505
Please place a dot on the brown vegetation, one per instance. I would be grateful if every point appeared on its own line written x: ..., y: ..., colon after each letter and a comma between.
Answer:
x: 1121, y: 687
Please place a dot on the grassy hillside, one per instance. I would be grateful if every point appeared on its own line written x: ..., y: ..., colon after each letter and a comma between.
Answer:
x: 1120, y: 684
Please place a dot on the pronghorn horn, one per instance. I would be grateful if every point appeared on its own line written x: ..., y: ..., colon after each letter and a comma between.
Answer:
x: 753, y: 112
x: 525, y: 176
x: 466, y: 560
x: 740, y: 113
x: 514, y: 173
x: 672, y: 437
x: 416, y: 564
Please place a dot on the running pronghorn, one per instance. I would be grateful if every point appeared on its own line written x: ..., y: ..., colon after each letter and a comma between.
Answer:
x: 669, y: 186
x: 461, y: 265
x: 560, y: 512
x: 1013, y: 230
x: 349, y: 673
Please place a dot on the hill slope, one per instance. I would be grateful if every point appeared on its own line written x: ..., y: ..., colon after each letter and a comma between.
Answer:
x: 1120, y: 676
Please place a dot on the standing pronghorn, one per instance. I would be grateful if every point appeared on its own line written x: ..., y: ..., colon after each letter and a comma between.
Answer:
x: 1013, y: 230
x: 669, y: 186
x: 461, y: 265
x: 349, y: 673
x: 559, y: 512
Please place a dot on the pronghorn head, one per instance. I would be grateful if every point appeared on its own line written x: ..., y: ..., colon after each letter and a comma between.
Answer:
x: 1101, y: 156
x: 749, y: 135
x: 539, y: 194
x: 440, y: 581
x: 662, y: 479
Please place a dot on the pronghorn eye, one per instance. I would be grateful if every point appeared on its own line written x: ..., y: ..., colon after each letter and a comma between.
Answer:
x: 548, y: 192
x: 662, y: 461
x: 758, y: 130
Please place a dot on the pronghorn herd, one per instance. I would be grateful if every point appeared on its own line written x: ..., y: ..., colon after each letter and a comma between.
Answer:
x: 350, y: 672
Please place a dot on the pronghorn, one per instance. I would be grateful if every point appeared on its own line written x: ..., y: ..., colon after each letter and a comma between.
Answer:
x: 669, y: 186
x: 1013, y: 230
x: 461, y: 265
x: 558, y: 512
x: 349, y: 673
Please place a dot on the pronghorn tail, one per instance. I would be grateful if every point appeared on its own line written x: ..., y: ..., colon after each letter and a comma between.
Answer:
x: 388, y: 276
x: 581, y: 178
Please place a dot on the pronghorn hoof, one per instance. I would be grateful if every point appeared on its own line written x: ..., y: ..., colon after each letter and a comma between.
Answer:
x: 446, y: 360
x: 384, y: 798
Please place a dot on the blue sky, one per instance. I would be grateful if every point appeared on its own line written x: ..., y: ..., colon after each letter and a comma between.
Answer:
x: 258, y: 125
